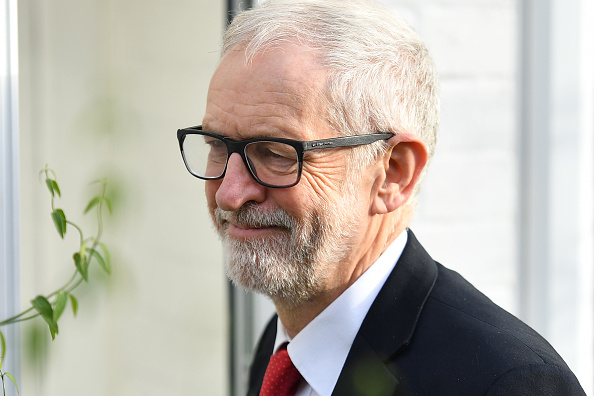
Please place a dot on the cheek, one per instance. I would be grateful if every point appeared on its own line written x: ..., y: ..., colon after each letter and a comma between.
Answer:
x: 321, y: 187
x: 312, y: 198
x: 325, y: 175
x: 298, y: 201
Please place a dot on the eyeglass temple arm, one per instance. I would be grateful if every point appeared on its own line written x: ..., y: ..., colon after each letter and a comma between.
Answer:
x: 345, y: 141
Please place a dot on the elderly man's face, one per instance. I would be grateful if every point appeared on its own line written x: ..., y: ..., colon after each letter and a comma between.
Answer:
x: 281, y: 242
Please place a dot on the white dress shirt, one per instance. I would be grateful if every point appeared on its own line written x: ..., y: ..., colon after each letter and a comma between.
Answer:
x: 321, y: 348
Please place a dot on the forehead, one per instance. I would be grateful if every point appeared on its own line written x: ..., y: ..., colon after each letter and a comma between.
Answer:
x: 278, y: 93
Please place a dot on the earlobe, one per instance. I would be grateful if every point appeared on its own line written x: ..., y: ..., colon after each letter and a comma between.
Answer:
x: 402, y: 167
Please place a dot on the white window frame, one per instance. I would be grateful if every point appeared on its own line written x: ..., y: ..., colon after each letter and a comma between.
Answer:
x: 556, y: 176
x: 9, y: 191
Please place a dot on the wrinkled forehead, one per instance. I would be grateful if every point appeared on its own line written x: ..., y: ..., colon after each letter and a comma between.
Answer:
x: 281, y: 85
x: 291, y: 66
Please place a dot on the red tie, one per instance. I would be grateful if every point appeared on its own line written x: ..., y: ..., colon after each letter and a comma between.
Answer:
x: 281, y: 377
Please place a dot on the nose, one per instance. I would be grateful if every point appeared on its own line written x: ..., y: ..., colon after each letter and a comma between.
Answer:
x: 238, y: 186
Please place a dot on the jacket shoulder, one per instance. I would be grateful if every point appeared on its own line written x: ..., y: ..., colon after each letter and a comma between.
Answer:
x: 536, y: 379
x: 466, y: 343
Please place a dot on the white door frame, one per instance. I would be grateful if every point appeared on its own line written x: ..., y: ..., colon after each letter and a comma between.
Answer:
x: 9, y: 187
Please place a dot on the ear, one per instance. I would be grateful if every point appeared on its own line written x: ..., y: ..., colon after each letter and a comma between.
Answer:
x: 402, y: 167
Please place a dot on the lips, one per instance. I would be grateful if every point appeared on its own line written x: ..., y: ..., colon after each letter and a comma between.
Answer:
x: 242, y: 231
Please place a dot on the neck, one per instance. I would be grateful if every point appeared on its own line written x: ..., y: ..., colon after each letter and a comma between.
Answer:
x: 380, y: 234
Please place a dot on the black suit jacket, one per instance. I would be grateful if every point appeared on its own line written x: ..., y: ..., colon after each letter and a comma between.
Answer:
x: 430, y: 332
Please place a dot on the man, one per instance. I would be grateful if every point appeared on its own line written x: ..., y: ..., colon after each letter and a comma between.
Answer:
x: 320, y: 121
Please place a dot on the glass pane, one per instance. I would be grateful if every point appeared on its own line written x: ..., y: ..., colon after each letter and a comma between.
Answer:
x: 206, y: 156
x: 273, y: 163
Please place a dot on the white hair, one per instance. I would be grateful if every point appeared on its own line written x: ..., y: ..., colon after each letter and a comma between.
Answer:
x: 381, y: 77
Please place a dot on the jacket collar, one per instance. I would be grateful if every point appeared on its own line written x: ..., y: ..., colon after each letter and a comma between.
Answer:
x: 403, y: 297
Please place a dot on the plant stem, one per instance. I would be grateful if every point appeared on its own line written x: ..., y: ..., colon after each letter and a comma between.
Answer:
x: 12, y: 319
x: 80, y: 232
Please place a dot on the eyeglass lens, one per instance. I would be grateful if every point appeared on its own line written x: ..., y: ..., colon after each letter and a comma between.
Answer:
x: 273, y: 163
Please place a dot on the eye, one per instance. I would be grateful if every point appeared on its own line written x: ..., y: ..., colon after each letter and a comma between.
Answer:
x: 213, y: 142
x: 272, y: 158
x: 272, y: 151
x: 217, y: 150
x: 276, y: 153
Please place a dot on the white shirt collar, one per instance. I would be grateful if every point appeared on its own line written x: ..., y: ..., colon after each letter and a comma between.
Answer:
x: 321, y: 348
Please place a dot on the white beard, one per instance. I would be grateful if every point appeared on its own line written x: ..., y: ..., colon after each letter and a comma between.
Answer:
x: 294, y: 264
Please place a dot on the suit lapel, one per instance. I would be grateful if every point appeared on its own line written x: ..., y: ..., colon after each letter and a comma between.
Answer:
x: 389, y: 325
x: 386, y: 330
x: 364, y: 374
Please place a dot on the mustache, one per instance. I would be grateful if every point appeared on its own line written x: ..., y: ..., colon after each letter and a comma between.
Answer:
x: 253, y: 216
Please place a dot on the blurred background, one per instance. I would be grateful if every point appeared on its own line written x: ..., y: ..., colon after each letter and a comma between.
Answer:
x: 103, y: 85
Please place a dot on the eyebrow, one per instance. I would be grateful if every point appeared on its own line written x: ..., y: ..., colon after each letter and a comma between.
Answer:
x: 253, y: 135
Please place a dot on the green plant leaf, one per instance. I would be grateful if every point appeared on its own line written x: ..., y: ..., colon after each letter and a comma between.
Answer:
x: 108, y: 204
x: 42, y: 305
x: 100, y: 260
x: 106, y: 256
x: 60, y: 305
x: 59, y: 219
x: 92, y: 204
x: 83, y: 249
x: 52, y: 186
x: 81, y: 265
x: 11, y: 377
x: 2, y: 349
x: 74, y: 304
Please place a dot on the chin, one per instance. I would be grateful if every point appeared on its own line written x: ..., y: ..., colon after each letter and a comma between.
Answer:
x: 271, y: 274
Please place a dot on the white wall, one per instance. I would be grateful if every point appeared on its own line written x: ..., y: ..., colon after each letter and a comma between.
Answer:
x: 104, y: 87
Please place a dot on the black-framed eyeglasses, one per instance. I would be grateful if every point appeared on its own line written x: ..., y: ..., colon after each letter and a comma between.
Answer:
x: 272, y: 162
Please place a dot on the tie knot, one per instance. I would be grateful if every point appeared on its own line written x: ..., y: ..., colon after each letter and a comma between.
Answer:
x: 281, y: 377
